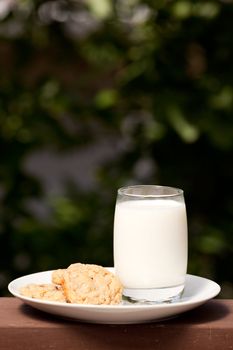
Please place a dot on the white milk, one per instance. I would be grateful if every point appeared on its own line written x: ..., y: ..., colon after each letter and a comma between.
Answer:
x: 150, y: 243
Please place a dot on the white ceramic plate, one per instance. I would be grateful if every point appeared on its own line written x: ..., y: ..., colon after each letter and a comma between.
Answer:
x: 197, y: 291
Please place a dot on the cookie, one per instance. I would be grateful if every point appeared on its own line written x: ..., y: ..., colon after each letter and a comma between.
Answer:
x: 91, y: 284
x: 57, y: 276
x: 50, y: 292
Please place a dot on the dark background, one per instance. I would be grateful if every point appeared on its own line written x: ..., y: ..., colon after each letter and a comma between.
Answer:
x: 95, y: 95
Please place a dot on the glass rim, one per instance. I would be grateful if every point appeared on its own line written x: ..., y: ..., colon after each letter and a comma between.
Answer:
x: 171, y: 191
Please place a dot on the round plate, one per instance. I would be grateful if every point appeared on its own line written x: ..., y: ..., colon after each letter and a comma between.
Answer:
x: 197, y: 291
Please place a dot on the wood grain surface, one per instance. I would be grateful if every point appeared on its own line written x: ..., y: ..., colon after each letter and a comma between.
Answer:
x: 209, y: 327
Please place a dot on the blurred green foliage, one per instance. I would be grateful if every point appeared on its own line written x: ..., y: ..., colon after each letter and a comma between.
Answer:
x: 155, y: 78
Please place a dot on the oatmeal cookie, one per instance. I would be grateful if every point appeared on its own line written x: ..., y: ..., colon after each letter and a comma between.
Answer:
x: 91, y: 284
x: 50, y: 292
x: 57, y: 276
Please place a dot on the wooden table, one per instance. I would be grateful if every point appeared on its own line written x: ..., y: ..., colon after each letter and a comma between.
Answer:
x: 209, y: 327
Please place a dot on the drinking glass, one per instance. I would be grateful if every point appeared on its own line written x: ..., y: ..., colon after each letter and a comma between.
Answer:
x: 150, y: 242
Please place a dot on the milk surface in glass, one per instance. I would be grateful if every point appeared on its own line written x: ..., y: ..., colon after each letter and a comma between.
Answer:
x: 150, y: 243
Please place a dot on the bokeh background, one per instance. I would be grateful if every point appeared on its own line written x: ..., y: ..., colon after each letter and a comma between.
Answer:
x: 95, y: 95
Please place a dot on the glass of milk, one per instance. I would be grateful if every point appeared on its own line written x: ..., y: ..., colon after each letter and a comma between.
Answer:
x: 150, y: 242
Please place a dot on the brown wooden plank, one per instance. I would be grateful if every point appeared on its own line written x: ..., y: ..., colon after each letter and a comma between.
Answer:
x: 207, y: 327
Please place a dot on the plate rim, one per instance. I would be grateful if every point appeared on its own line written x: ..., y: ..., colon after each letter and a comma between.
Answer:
x: 190, y: 301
